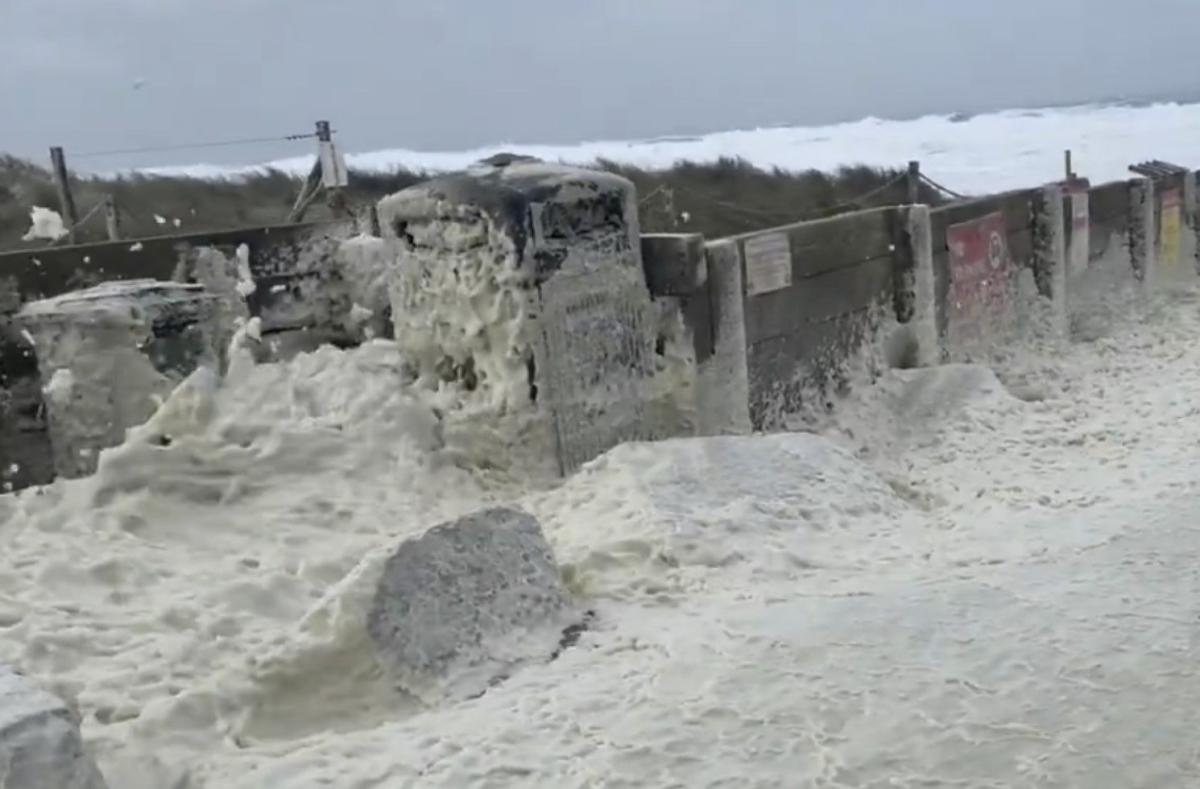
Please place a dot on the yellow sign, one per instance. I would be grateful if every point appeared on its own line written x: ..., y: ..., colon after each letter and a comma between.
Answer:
x: 1171, y: 236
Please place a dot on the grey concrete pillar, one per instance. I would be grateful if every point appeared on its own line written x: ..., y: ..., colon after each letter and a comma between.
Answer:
x: 924, y: 299
x: 520, y: 284
x: 723, y: 395
x: 1079, y: 248
x: 1050, y: 254
x: 1142, y: 235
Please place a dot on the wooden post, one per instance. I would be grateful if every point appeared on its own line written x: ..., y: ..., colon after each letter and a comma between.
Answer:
x: 335, y: 196
x: 112, y: 219
x: 914, y: 183
x: 307, y: 192
x: 66, y: 203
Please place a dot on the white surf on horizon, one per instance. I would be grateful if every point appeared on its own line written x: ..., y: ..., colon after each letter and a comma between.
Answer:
x: 982, y: 154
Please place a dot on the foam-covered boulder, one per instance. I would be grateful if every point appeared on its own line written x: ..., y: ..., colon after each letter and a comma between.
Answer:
x: 468, y: 602
x: 40, y: 743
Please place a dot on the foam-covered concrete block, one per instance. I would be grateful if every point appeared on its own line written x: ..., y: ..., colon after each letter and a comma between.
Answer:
x: 468, y: 602
x: 40, y: 743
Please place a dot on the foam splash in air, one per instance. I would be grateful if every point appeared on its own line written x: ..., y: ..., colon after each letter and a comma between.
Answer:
x: 246, y: 286
x: 45, y: 224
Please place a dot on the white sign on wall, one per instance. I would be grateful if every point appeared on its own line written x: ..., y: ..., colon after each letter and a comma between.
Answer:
x: 768, y: 263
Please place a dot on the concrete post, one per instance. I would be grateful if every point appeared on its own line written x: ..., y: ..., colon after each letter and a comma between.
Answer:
x: 1142, y: 232
x: 723, y: 396
x: 1079, y: 250
x: 923, y: 299
x: 556, y: 249
x: 1050, y: 254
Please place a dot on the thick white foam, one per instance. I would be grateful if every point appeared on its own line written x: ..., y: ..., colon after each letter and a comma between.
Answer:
x: 993, y: 152
x: 969, y: 574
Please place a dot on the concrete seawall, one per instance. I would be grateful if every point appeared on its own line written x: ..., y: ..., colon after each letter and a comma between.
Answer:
x: 775, y: 324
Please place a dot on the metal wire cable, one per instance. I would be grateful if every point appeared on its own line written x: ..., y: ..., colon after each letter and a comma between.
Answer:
x: 86, y: 218
x: 197, y: 145
x: 788, y: 218
x: 653, y: 193
x: 941, y: 188
x: 876, y: 191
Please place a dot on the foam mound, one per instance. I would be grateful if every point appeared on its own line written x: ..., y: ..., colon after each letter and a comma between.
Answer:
x: 937, y: 393
x: 647, y: 516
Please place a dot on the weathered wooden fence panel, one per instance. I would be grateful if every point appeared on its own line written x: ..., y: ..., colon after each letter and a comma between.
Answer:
x: 812, y: 297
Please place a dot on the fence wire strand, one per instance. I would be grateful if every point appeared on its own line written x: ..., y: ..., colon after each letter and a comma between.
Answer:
x: 196, y: 145
x: 86, y: 218
x: 772, y: 215
x: 944, y: 190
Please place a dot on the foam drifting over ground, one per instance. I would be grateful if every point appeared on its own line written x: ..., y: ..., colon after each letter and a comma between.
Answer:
x: 965, y: 574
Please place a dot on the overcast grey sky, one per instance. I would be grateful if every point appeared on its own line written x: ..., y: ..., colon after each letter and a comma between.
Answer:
x: 450, y: 74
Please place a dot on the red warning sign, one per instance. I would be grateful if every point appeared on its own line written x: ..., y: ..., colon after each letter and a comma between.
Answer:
x: 981, y: 269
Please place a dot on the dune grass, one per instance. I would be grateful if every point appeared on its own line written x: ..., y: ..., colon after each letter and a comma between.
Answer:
x: 717, y: 199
